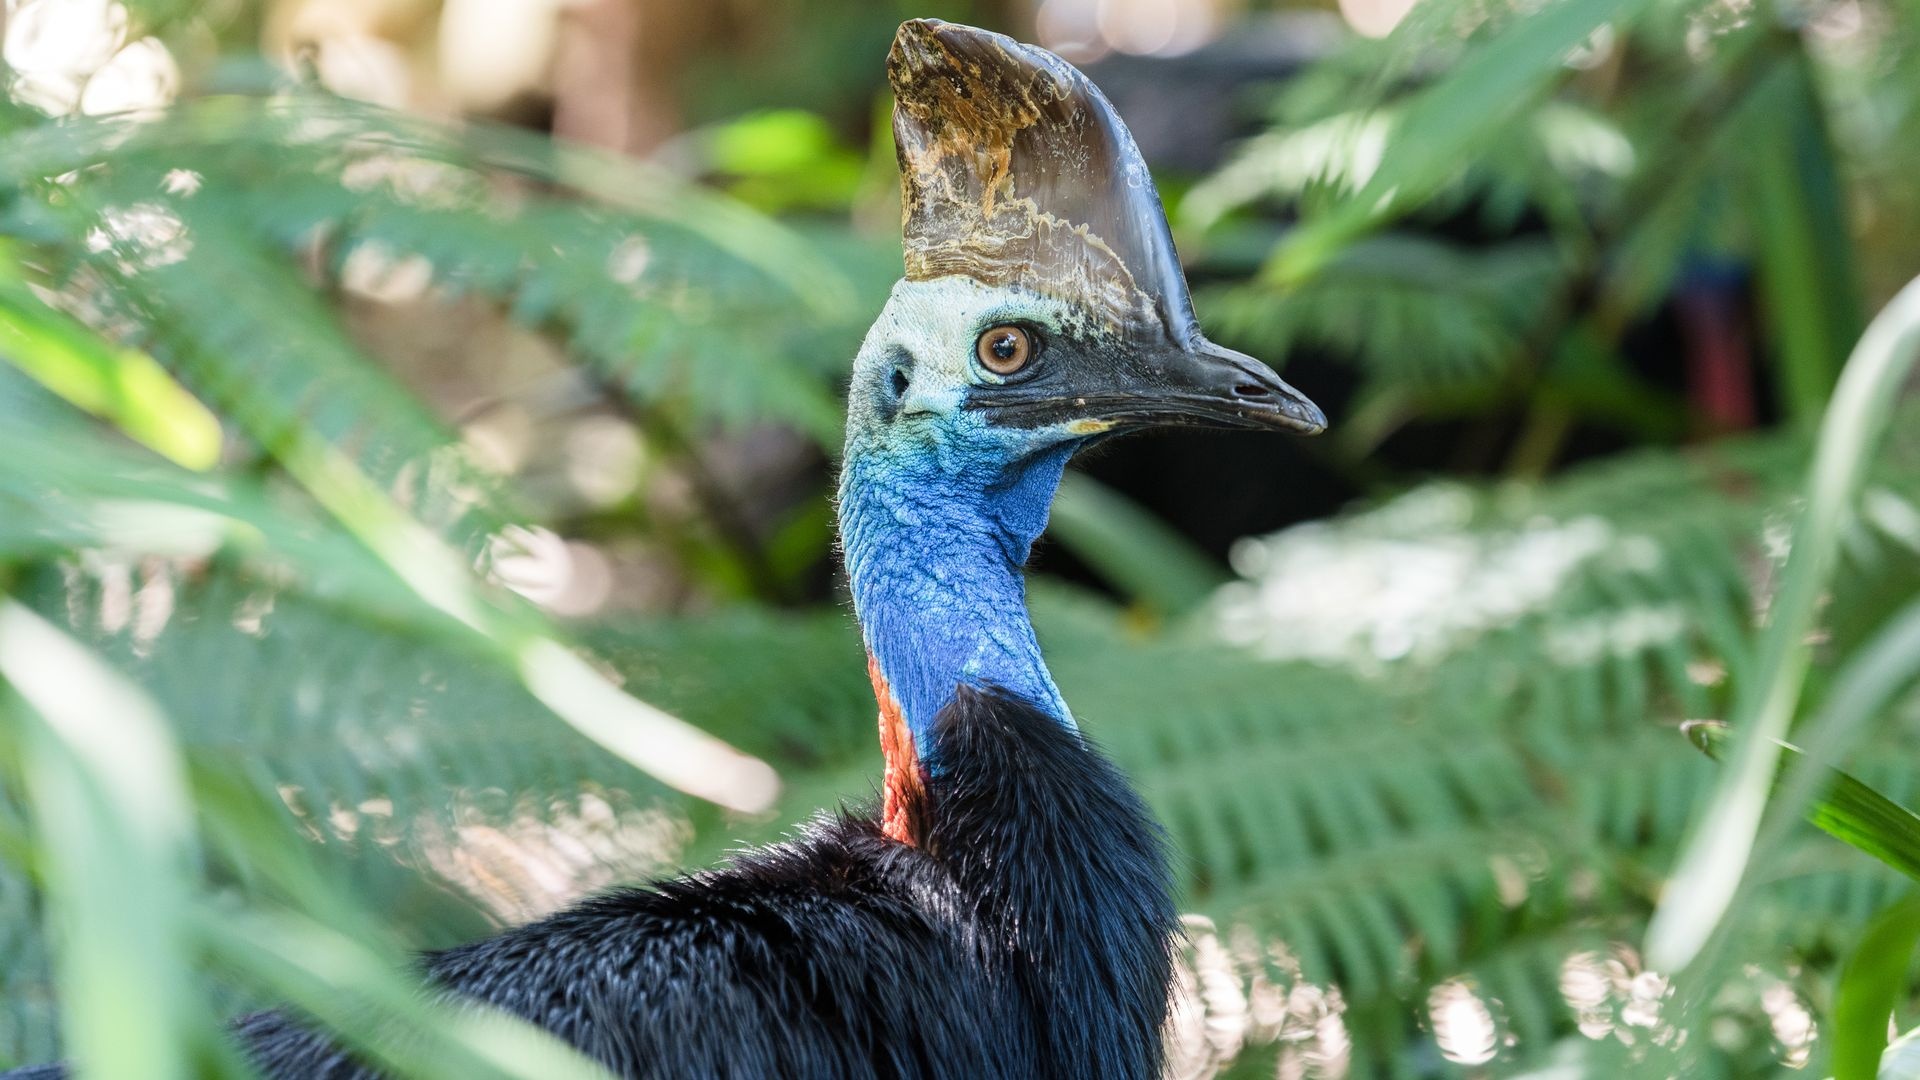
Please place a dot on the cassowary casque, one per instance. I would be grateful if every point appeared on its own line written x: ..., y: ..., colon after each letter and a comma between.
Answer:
x: 1007, y: 910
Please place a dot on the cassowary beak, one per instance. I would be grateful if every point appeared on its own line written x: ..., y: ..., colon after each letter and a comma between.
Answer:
x: 1234, y: 389
x: 1120, y: 388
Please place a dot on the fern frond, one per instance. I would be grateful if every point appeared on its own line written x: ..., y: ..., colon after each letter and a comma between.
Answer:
x: 1415, y: 313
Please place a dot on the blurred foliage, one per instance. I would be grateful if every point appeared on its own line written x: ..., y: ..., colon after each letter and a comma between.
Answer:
x: 324, y: 425
x: 1480, y: 225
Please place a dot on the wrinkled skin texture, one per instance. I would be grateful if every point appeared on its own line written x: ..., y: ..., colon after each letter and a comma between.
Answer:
x: 939, y: 506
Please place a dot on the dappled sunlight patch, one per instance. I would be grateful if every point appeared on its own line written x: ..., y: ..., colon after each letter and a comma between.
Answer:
x: 72, y: 56
x: 1612, y: 996
x: 134, y: 598
x: 516, y: 857
x: 1710, y: 23
x: 362, y: 66
x: 1629, y: 631
x: 1235, y: 994
x: 1463, y: 1023
x: 1579, y: 141
x: 562, y: 576
x: 522, y: 859
x: 72, y: 37
x: 144, y: 236
x: 182, y: 182
x: 1415, y: 580
x: 1792, y: 1023
x: 140, y: 79
x: 376, y: 272
x: 54, y: 45
x: 374, y: 166
x: 628, y: 260
x: 605, y: 459
x: 1240, y: 998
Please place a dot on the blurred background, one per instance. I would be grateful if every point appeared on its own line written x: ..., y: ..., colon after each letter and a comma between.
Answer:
x: 419, y: 418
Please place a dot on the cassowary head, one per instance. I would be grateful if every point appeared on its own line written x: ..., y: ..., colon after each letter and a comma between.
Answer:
x: 1043, y: 305
x: 1043, y: 308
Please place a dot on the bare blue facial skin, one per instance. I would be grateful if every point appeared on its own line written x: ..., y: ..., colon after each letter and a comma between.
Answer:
x: 940, y: 504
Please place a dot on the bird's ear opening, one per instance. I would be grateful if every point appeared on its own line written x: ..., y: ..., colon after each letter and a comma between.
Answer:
x: 1016, y: 171
x: 891, y: 392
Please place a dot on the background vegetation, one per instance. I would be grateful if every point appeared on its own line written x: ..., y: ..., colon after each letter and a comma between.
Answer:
x: 417, y: 422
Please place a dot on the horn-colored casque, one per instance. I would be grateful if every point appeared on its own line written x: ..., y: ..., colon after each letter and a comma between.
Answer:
x: 1016, y: 171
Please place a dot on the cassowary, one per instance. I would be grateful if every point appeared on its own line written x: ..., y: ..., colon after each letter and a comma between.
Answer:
x: 1007, y: 910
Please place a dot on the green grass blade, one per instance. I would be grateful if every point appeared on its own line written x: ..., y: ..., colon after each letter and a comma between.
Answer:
x: 1844, y: 808
x: 114, y: 833
x: 124, y: 386
x: 1715, y: 856
x: 1861, y: 817
x: 1872, y: 983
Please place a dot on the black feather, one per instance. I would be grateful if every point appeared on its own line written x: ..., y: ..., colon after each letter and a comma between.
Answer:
x: 1027, y: 936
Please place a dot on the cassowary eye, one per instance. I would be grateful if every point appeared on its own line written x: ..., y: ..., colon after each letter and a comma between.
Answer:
x: 1004, y: 350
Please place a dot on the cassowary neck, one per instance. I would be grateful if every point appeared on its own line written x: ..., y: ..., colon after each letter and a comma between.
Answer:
x: 934, y: 546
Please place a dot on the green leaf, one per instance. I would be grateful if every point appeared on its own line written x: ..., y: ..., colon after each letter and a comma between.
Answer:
x: 113, y: 806
x: 124, y: 386
x: 1432, y: 320
x: 366, y: 1001
x: 328, y: 956
x: 115, y: 835
x: 1445, y: 123
x: 1708, y: 875
x: 1873, y: 981
x: 1845, y: 808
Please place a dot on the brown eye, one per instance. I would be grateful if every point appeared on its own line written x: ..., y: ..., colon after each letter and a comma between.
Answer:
x: 1004, y: 350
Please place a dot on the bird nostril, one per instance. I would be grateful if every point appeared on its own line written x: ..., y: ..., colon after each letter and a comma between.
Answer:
x: 1254, y: 390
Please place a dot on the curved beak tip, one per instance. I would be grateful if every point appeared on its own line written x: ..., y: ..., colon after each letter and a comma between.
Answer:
x: 1308, y: 417
x: 1258, y: 394
x: 1292, y: 412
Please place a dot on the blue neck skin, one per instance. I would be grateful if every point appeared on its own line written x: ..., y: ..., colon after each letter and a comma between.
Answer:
x: 934, y: 544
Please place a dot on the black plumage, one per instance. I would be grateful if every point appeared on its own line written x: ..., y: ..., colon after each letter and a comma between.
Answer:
x: 1027, y: 936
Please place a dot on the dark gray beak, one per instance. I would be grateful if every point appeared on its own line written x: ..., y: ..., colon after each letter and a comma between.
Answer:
x: 1214, y: 386
x: 1113, y: 388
